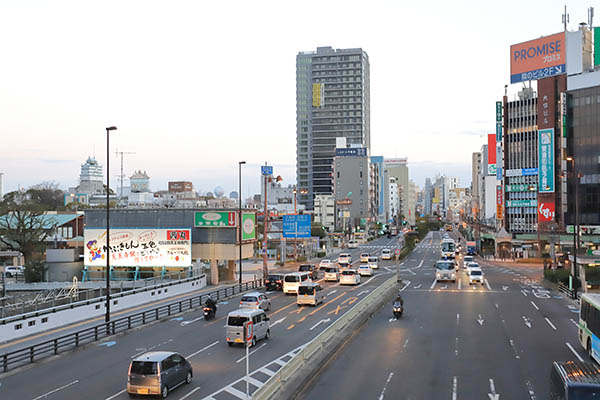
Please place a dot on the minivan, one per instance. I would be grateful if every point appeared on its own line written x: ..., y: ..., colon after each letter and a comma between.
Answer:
x: 344, y: 258
x: 311, y: 269
x: 574, y: 380
x: 157, y: 373
x: 293, y: 280
x: 310, y: 293
x: 332, y: 274
x: 234, y: 329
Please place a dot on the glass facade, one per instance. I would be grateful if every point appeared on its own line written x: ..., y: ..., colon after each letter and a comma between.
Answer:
x: 583, y: 143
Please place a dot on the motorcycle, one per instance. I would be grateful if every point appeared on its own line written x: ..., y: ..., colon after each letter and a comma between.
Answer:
x: 398, y: 309
x: 208, y: 313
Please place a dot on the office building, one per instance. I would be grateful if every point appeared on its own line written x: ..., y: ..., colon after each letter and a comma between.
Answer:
x: 351, y: 172
x: 332, y: 101
x: 379, y: 188
x: 324, y: 211
x: 398, y: 168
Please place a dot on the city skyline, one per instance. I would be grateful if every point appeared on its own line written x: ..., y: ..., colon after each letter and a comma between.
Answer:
x: 141, y: 76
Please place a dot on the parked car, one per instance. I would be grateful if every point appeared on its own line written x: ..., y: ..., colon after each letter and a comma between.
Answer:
x: 274, y: 282
x: 364, y: 257
x: 311, y: 269
x: 255, y: 300
x: 386, y: 254
x: 324, y: 264
x: 332, y: 274
x: 365, y: 270
x: 158, y: 373
x: 13, y: 270
x: 234, y: 329
x: 349, y: 277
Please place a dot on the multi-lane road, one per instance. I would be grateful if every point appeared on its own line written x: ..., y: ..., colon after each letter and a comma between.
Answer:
x: 99, y: 371
x: 455, y: 341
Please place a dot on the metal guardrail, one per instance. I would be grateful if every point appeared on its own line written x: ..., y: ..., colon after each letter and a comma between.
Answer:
x: 69, y: 303
x: 573, y: 294
x: 285, y: 373
x: 30, y: 354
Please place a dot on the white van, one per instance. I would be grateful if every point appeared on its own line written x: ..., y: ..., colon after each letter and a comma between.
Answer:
x: 234, y: 329
x: 293, y: 280
x: 310, y: 293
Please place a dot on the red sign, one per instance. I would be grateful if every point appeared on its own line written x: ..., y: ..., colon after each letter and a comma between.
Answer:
x: 178, y: 234
x: 249, y: 331
x: 546, y: 212
x: 491, y: 148
x: 499, y: 195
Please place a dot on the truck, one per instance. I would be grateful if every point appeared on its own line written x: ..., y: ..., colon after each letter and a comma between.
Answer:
x: 471, y: 248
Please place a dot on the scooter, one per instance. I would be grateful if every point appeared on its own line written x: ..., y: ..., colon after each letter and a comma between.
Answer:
x: 208, y: 313
x: 398, y: 309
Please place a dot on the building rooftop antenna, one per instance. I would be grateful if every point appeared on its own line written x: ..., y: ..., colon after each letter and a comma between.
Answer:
x: 565, y: 18
x: 121, y: 175
x: 591, y: 17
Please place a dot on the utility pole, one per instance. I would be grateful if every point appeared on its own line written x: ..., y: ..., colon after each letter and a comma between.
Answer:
x: 122, y: 176
x: 265, y: 223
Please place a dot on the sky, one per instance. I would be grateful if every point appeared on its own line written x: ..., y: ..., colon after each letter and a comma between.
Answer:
x: 194, y: 87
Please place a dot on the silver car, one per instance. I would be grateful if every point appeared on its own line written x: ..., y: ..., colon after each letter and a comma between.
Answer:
x: 157, y: 373
x: 255, y: 300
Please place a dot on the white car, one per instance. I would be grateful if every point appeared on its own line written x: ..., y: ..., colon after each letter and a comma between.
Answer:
x: 475, y: 276
x: 467, y: 260
x: 332, y: 274
x: 13, y: 270
x: 324, y: 264
x: 353, y: 244
x: 344, y: 258
x: 386, y: 254
x: 255, y: 300
x: 373, y: 263
x: 472, y: 265
x: 365, y: 270
x: 349, y: 277
x: 364, y: 257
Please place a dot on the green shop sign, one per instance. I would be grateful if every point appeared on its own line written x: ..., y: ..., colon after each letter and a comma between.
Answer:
x: 521, y: 203
x: 215, y: 219
x: 522, y: 187
x: 248, y: 226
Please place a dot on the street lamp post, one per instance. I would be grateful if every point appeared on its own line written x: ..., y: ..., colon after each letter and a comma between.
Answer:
x: 576, y: 176
x: 240, y: 215
x: 110, y: 128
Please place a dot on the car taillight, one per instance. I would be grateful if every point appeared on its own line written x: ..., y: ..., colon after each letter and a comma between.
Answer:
x: 257, y: 303
x: 279, y: 281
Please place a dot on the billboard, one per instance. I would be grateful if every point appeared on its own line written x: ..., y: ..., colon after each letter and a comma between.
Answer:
x: 546, y: 211
x: 248, y: 226
x: 538, y: 58
x: 133, y: 247
x: 318, y: 94
x: 215, y: 219
x: 499, y: 202
x: 491, y: 148
x: 351, y: 152
x: 546, y: 160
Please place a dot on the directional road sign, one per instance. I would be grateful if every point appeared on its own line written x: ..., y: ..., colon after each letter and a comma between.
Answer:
x: 296, y: 226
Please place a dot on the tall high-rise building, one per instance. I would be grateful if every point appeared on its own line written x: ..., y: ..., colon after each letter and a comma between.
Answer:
x: 332, y: 101
x: 398, y: 168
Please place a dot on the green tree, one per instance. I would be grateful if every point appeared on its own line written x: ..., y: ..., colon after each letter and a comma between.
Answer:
x: 46, y: 195
x: 23, y: 228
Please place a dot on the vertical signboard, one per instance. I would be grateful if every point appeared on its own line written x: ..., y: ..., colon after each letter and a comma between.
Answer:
x: 318, y: 94
x: 539, y: 58
x: 248, y: 226
x: 498, y: 121
x: 499, y: 161
x: 546, y: 160
x: 499, y: 202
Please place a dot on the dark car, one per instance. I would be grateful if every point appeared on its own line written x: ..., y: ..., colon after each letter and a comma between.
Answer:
x: 157, y: 373
x: 274, y: 282
x: 309, y: 268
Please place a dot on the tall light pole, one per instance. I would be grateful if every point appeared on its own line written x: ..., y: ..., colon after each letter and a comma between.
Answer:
x: 240, y: 215
x: 110, y: 128
x: 295, y: 191
x: 576, y: 176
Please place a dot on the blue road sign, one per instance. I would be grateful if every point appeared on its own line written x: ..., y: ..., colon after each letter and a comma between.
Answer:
x: 266, y: 170
x: 296, y: 226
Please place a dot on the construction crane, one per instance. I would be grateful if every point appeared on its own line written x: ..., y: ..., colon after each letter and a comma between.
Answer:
x: 121, y: 175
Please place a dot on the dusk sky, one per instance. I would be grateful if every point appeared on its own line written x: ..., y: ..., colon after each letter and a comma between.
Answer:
x: 194, y: 87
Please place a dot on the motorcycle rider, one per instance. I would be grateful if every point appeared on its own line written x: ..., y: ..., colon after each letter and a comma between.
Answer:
x: 399, y: 300
x: 211, y: 303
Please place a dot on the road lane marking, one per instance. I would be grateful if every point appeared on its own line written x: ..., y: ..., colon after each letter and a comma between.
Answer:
x: 487, y: 284
x: 420, y: 264
x: 252, y: 352
x: 493, y: 395
x: 456, y: 348
x: 573, y: 321
x: 454, y: 388
x: 457, y: 318
x: 480, y: 320
x: 418, y: 286
x: 56, y: 390
x: 459, y: 283
x: 332, y: 292
x: 116, y: 395
x: 202, y: 349
x: 530, y: 390
x: 527, y: 321
x: 536, y: 307
x: 550, y: 323
x: 512, y: 344
x: 433, y: 284
x: 190, y: 393
x: 184, y: 323
x: 405, y: 344
x: 277, y: 322
x: 385, y: 386
x: 291, y: 326
x: 574, y: 352
x: 524, y: 292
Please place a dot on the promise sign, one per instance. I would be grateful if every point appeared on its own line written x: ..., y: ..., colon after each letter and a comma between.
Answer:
x: 539, y: 58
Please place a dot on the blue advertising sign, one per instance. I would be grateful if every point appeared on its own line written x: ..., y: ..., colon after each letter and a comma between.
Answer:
x: 352, y: 152
x: 296, y: 226
x: 498, y: 131
x: 546, y: 160
x: 529, y: 171
x: 266, y: 170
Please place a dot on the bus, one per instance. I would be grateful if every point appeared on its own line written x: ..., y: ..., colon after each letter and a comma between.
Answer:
x: 589, y: 324
x: 448, y: 248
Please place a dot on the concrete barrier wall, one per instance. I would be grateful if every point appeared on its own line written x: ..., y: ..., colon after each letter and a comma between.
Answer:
x: 291, y: 377
x: 81, y: 311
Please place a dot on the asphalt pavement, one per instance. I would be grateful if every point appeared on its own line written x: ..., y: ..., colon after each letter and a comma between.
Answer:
x: 457, y: 341
x: 99, y: 370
